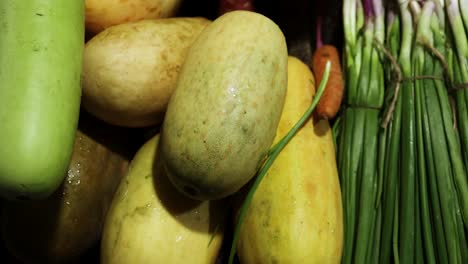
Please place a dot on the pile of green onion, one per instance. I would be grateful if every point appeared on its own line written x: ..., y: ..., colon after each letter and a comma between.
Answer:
x: 358, y: 132
x: 403, y: 133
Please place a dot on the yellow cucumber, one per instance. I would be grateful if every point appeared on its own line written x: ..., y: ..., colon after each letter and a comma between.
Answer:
x: 296, y: 213
x: 149, y: 221
x: 41, y: 47
x: 222, y: 117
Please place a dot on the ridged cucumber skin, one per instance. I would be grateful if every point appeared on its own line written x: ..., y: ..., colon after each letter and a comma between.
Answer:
x: 41, y: 48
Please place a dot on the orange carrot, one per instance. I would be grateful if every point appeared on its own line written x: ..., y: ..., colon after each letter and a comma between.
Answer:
x: 330, y: 101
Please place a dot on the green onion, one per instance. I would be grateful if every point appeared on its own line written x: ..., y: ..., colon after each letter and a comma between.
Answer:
x: 458, y: 17
x: 390, y: 138
x: 420, y: 198
x: 407, y: 172
x: 358, y: 142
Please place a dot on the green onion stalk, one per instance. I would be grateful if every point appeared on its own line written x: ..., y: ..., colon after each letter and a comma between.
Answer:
x: 359, y: 129
x: 424, y: 162
x: 445, y: 169
x: 390, y: 137
x: 459, y: 65
x: 424, y: 244
x: 457, y: 13
x: 407, y: 218
x: 424, y: 172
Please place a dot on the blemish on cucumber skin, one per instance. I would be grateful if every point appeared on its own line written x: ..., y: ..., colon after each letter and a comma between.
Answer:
x: 39, y: 14
x: 274, y: 260
x: 37, y: 46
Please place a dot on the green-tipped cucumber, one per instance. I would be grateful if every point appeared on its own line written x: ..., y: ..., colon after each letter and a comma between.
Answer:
x: 41, y: 47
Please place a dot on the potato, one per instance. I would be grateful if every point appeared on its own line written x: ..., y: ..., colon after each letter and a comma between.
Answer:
x: 130, y: 70
x: 101, y: 14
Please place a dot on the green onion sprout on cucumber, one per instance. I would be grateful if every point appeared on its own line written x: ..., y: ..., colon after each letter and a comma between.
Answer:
x: 272, y: 155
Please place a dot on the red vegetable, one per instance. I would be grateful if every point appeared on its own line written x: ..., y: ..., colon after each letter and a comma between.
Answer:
x: 231, y: 5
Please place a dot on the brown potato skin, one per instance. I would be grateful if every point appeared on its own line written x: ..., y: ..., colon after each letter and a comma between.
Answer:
x: 130, y: 70
x: 66, y: 224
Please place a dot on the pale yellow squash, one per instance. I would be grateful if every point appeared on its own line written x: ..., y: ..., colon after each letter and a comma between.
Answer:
x: 296, y: 213
x: 221, y: 119
x: 130, y: 71
x: 150, y: 222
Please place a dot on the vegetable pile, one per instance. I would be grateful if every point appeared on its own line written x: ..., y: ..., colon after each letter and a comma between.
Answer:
x: 403, y: 170
x: 151, y: 131
x: 139, y: 135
